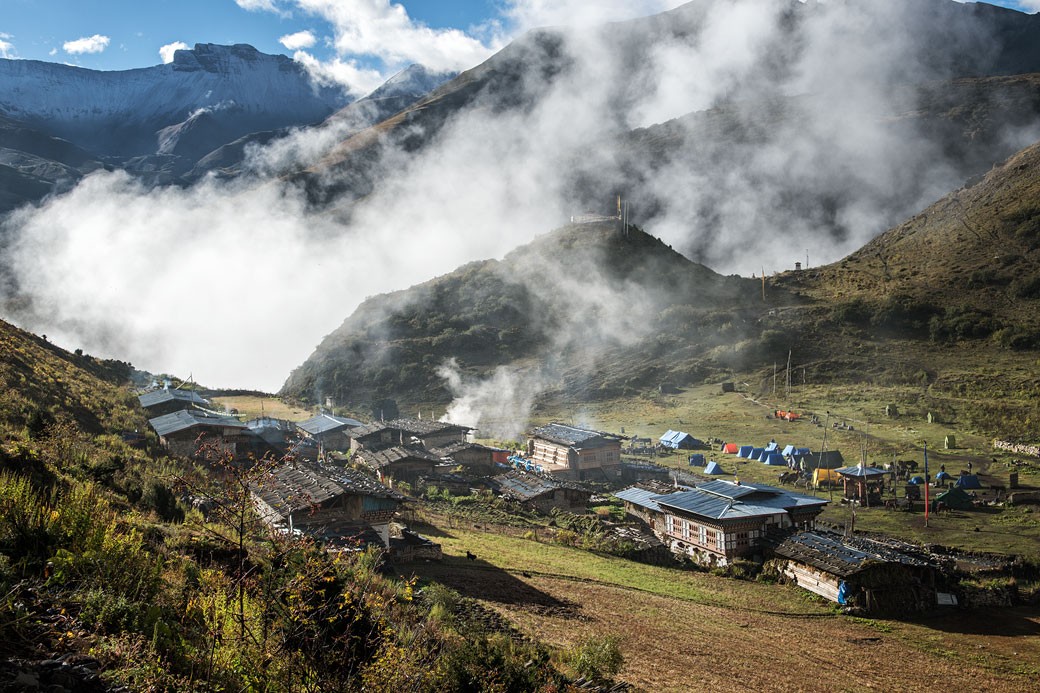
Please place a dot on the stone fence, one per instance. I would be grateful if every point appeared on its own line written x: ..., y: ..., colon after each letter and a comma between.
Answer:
x: 1017, y: 448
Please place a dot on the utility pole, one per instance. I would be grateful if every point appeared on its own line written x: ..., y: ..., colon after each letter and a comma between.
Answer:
x: 787, y: 394
x: 926, y: 484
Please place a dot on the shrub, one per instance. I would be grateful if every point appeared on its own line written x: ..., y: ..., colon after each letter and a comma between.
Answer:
x: 1026, y: 287
x: 598, y: 659
x: 960, y: 323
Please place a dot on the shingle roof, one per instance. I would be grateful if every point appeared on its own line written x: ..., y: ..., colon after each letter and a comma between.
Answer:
x: 452, y: 448
x: 157, y: 397
x: 187, y: 418
x: 290, y: 489
x: 523, y: 486
x: 324, y: 423
x: 384, y: 458
x: 572, y: 436
x: 415, y: 427
x: 842, y: 557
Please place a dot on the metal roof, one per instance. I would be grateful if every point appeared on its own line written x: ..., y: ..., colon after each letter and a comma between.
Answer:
x: 642, y: 497
x: 725, y: 500
x: 188, y: 418
x: 157, y: 397
x: 325, y: 423
x: 843, y: 557
x: 858, y: 471
x: 291, y: 489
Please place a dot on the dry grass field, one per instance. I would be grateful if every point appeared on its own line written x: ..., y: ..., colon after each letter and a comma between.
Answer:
x: 251, y: 406
x: 689, y: 631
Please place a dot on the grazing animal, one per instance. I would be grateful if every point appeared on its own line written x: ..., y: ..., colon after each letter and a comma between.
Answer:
x: 471, y: 556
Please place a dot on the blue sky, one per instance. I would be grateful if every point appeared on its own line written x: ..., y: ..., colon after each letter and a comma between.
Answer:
x: 354, y: 41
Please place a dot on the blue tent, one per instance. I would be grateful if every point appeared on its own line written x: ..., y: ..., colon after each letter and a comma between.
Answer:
x: 942, y: 476
x: 697, y: 460
x: 745, y: 451
x: 774, y: 459
x: 917, y: 480
x: 967, y: 481
x: 801, y: 451
x: 788, y: 451
x: 757, y: 453
x: 713, y: 468
x: 772, y: 447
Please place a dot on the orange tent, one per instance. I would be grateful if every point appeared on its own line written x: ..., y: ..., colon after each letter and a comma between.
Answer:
x: 730, y: 448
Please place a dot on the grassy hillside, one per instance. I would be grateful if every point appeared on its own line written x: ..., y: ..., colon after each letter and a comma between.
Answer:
x: 103, y: 565
x: 578, y: 296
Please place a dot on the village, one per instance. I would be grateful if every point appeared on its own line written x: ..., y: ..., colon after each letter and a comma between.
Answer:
x: 676, y: 501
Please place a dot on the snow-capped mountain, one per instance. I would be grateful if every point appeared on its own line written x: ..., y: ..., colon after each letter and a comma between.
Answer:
x: 120, y: 113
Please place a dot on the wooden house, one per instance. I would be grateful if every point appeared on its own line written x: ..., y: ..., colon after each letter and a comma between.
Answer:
x: 197, y: 434
x: 160, y: 402
x: 871, y: 576
x: 272, y: 436
x: 336, y: 507
x: 400, y: 463
x: 720, y: 521
x: 640, y: 503
x: 541, y: 492
x: 472, y: 456
x: 330, y: 432
x: 575, y: 453
x: 408, y: 432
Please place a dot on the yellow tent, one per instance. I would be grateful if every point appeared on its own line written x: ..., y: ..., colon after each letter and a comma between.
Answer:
x: 825, y: 476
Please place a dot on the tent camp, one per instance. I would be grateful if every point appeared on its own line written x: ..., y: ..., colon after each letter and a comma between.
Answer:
x: 697, y: 460
x: 788, y: 451
x: 713, y: 468
x: 745, y: 451
x: 916, y: 481
x: 679, y: 440
x: 774, y: 459
x: 730, y: 448
x: 967, y: 481
x: 756, y: 454
x: 955, y: 498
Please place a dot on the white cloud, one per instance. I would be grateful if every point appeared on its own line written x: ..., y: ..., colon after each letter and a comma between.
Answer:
x: 53, y: 51
x: 87, y: 44
x: 347, y: 73
x: 526, y: 14
x: 6, y: 47
x: 1030, y: 5
x: 301, y: 39
x: 169, y: 49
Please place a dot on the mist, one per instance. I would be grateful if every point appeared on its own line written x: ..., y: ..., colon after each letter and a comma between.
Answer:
x: 237, y: 282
